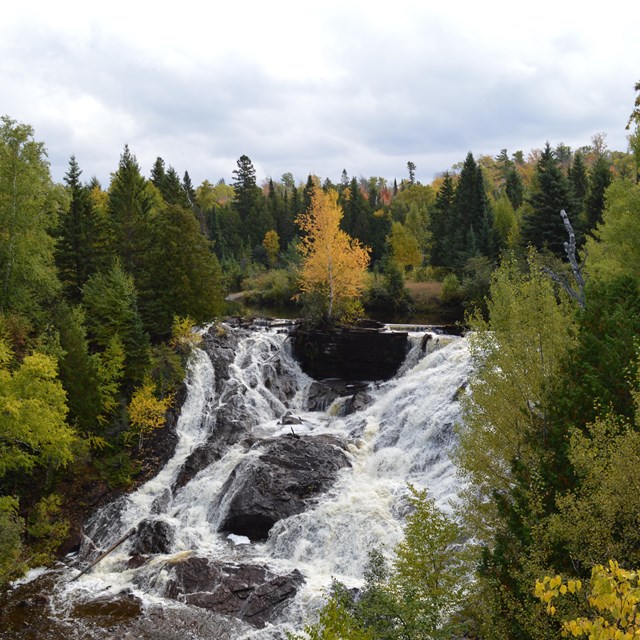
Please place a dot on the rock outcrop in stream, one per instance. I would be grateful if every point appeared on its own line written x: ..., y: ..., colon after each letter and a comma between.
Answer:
x: 280, y: 481
x: 251, y: 593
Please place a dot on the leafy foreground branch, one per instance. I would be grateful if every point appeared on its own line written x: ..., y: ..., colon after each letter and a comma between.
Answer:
x: 614, y: 594
x: 414, y: 597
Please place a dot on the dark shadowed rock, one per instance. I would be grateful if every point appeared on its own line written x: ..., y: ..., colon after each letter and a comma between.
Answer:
x: 153, y: 536
x: 289, y: 418
x: 356, y: 402
x: 349, y: 353
x: 321, y: 394
x: 248, y: 592
x: 277, y: 483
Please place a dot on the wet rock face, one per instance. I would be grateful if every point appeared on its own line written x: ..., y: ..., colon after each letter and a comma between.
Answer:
x: 322, y: 394
x: 153, y: 536
x: 357, y: 402
x: 349, y: 353
x: 248, y: 592
x: 277, y: 483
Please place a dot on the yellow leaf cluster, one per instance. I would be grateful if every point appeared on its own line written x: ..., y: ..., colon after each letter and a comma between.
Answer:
x: 333, y: 262
x: 146, y: 412
x: 614, y: 596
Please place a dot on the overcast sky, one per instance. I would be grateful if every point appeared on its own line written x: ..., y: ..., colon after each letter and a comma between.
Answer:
x: 315, y: 87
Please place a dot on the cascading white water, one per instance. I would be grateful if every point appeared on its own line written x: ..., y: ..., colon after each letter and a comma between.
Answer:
x: 404, y: 435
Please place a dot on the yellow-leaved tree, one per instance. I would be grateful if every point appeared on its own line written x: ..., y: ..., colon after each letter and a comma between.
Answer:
x: 146, y: 412
x: 334, y: 264
x: 614, y: 596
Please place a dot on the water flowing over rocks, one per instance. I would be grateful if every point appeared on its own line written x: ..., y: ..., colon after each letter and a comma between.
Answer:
x: 274, y: 484
x: 278, y: 483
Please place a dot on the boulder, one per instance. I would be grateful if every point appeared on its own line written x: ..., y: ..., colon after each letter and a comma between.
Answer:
x: 278, y: 482
x: 249, y: 592
x: 357, y: 402
x: 320, y: 395
x: 152, y: 536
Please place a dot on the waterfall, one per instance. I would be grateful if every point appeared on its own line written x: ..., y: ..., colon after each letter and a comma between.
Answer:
x: 240, y: 386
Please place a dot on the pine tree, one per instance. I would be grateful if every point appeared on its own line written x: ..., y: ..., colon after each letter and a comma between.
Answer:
x: 578, y: 186
x: 246, y: 190
x: 514, y: 188
x: 543, y: 227
x: 442, y: 223
x: 131, y: 210
x: 82, y: 236
x: 599, y: 181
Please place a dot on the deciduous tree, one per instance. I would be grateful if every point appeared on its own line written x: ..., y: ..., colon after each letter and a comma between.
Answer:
x: 334, y: 264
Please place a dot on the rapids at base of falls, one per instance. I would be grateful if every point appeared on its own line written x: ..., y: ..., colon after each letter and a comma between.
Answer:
x: 264, y: 500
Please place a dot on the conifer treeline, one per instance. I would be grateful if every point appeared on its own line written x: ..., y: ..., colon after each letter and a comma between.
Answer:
x: 98, y: 287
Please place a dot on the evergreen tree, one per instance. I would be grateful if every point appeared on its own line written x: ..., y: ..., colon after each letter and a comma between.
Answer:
x: 187, y: 185
x: 131, y: 210
x: 411, y: 168
x: 542, y: 227
x: 246, y: 190
x: 442, y: 222
x: 469, y: 228
x: 111, y: 302
x: 514, y: 188
x: 307, y: 193
x: 599, y: 181
x: 249, y: 203
x: 82, y: 236
x: 357, y: 216
x: 79, y: 370
x: 578, y: 185
x: 185, y: 274
x: 158, y: 173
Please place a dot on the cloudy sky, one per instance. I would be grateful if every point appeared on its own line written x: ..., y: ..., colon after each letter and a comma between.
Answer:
x: 315, y: 87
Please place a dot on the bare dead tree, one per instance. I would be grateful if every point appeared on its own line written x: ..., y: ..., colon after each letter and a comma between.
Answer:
x: 576, y: 293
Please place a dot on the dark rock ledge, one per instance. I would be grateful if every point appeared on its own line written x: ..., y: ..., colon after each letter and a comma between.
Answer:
x: 251, y: 593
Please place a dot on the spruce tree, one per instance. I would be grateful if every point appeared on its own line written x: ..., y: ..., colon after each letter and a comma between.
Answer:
x: 111, y: 302
x: 514, y: 188
x: 185, y: 274
x: 599, y: 181
x: 357, y: 215
x: 578, y: 186
x: 442, y: 223
x: 81, y: 236
x: 131, y: 209
x: 542, y: 227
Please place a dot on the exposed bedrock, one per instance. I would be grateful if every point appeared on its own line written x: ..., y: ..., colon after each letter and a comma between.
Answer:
x: 349, y: 353
x: 249, y: 592
x: 279, y: 481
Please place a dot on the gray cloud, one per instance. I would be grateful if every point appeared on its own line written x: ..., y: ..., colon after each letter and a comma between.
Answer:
x: 338, y: 87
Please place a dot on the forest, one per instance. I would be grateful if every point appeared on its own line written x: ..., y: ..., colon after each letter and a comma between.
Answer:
x: 101, y: 288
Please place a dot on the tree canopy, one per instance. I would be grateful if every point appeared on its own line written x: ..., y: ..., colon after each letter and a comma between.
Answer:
x: 334, y: 264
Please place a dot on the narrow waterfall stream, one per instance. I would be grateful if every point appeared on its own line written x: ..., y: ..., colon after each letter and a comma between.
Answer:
x: 247, y: 406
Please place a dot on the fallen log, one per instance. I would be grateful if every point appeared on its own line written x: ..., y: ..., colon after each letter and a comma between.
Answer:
x: 114, y: 546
